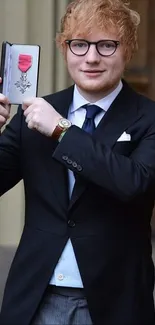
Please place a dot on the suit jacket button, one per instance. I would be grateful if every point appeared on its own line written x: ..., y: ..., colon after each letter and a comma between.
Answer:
x: 74, y: 164
x: 69, y: 161
x: 71, y: 223
x: 64, y: 157
x: 79, y: 168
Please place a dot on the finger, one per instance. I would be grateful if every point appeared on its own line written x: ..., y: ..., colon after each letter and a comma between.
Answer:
x: 8, y: 108
x: 0, y: 80
x: 4, y: 100
x: 2, y: 119
x: 28, y: 110
x: 27, y: 102
x: 4, y: 111
x: 30, y: 125
x: 29, y: 117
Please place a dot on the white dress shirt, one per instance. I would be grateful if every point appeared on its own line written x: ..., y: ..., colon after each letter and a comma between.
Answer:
x: 66, y: 272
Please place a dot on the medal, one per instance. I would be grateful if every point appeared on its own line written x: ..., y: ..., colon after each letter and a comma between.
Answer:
x: 24, y: 64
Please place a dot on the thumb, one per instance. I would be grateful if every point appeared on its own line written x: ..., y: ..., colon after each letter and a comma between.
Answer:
x: 27, y: 102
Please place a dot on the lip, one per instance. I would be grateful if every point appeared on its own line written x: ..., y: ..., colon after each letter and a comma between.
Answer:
x: 93, y: 73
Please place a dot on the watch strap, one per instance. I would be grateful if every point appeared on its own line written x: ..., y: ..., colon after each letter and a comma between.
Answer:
x: 61, y: 135
x: 57, y: 132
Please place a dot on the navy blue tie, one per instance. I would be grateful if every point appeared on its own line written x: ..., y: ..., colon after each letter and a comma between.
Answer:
x: 91, y: 112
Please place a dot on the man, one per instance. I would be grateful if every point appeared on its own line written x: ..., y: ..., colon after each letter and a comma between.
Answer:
x: 87, y: 158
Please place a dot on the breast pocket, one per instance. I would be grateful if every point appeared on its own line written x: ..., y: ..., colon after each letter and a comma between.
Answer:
x: 124, y: 148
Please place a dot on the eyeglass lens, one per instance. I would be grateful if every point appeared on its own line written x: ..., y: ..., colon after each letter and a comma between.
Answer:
x: 81, y: 47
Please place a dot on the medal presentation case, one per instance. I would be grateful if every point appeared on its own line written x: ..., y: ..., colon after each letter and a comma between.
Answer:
x: 19, y: 71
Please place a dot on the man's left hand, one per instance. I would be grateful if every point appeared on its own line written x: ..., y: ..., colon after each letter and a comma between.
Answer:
x: 40, y: 115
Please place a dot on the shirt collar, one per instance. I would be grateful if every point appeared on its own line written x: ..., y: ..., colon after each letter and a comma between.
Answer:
x: 104, y: 103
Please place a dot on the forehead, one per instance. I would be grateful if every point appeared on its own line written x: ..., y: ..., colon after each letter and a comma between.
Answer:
x: 97, y: 34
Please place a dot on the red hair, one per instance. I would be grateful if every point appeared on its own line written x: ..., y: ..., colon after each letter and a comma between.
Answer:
x: 82, y: 15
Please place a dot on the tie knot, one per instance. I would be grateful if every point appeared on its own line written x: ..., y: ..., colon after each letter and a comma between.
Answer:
x: 92, y: 111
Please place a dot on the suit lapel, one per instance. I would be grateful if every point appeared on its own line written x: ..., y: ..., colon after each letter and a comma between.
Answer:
x: 121, y: 114
x: 61, y: 102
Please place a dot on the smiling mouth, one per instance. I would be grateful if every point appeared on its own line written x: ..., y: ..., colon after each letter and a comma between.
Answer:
x: 93, y: 73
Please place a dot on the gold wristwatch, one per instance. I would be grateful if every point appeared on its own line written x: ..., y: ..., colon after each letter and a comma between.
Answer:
x: 62, y: 126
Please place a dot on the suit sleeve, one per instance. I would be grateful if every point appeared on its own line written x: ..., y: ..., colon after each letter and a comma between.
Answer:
x: 124, y: 177
x: 10, y: 168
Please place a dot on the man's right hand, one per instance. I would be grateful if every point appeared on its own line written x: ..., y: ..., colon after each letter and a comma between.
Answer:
x: 4, y: 109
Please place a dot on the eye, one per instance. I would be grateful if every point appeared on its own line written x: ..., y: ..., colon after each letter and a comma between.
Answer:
x: 79, y: 44
x: 109, y: 45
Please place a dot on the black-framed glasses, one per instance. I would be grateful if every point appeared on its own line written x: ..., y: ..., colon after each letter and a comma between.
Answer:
x: 80, y: 47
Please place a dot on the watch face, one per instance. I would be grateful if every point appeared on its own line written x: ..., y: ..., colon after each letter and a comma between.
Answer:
x: 64, y: 123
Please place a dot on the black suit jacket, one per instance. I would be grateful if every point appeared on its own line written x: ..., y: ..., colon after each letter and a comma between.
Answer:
x: 107, y: 218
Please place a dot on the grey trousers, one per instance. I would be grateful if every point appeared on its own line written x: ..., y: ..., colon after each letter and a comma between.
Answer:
x: 63, y: 306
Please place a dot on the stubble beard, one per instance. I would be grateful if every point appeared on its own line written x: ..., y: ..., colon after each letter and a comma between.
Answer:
x: 101, y: 89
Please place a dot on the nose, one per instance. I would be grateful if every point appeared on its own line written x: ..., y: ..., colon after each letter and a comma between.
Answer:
x: 92, y: 55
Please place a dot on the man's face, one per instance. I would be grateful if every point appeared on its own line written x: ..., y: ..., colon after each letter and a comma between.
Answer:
x: 95, y: 75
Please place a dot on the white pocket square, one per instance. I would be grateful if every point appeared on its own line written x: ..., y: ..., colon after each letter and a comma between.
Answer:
x: 124, y: 137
